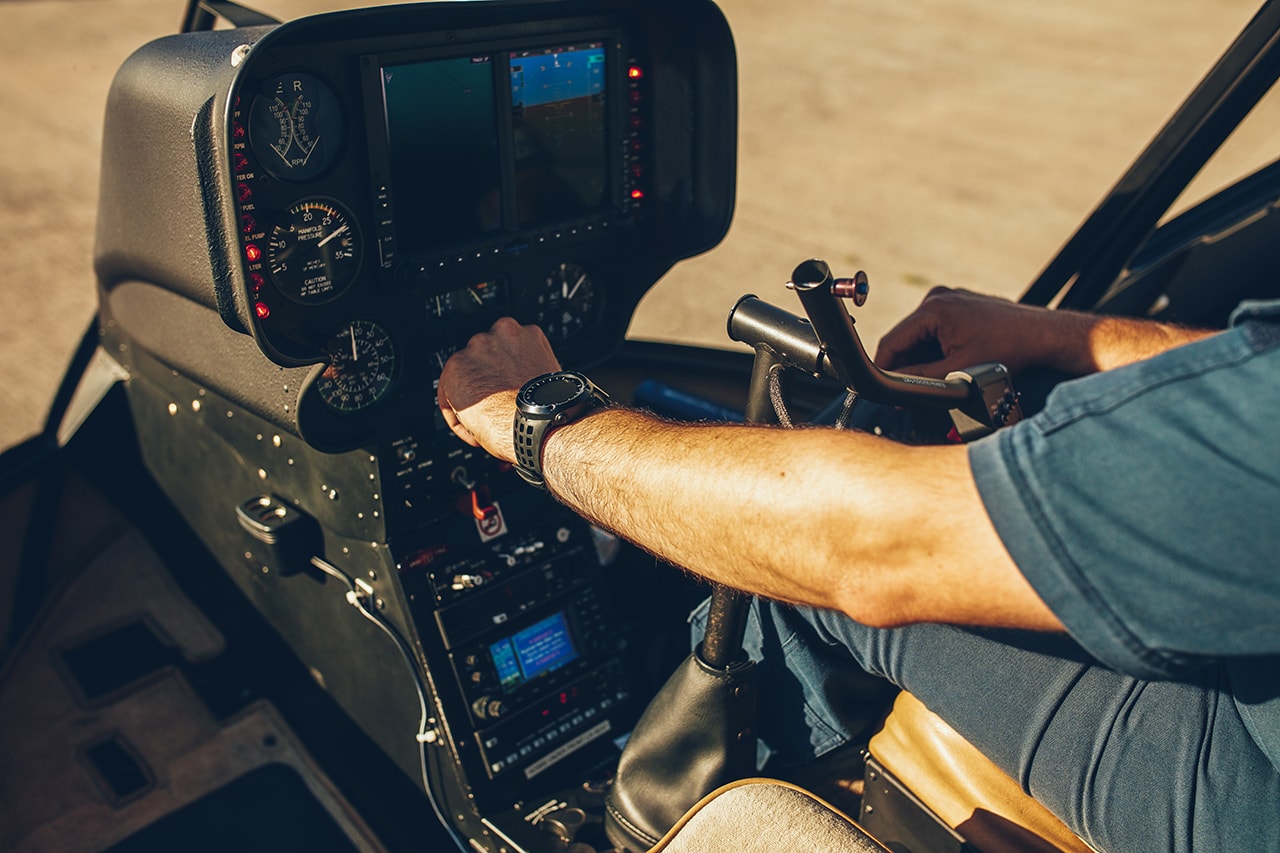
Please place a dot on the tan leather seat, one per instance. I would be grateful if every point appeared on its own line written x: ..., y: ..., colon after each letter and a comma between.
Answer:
x: 765, y: 816
x: 963, y: 787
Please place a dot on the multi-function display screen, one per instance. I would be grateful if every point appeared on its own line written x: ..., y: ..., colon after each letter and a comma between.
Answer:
x: 558, y: 127
x: 540, y: 648
x: 443, y: 145
x: 470, y: 154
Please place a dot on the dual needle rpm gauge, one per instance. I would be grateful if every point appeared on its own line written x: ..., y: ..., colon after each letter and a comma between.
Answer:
x: 295, y: 126
x: 361, y: 369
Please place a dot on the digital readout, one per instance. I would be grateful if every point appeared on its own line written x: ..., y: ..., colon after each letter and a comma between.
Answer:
x: 542, y: 647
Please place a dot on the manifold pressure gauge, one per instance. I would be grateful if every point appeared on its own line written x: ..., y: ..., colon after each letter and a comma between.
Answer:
x: 361, y: 369
x: 314, y: 253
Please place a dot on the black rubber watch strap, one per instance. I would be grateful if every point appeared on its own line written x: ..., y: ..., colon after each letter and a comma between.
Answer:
x: 528, y: 436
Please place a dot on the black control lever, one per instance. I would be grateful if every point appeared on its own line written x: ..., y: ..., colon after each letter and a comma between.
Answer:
x: 817, y: 288
x: 981, y: 399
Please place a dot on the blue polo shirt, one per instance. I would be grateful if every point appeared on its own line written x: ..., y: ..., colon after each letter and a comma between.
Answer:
x: 1143, y: 505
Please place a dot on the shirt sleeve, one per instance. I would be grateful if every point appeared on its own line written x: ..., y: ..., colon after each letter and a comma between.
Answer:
x: 1143, y: 504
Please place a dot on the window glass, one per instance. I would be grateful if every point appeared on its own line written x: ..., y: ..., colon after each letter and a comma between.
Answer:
x: 932, y: 141
x: 1254, y: 144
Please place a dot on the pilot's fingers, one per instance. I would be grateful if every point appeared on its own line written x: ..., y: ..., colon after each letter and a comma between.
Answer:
x: 917, y: 329
x: 452, y: 421
x: 508, y: 354
x: 931, y: 369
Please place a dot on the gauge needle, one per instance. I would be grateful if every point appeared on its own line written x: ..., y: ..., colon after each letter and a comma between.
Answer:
x: 576, y: 285
x: 341, y: 230
x: 355, y: 356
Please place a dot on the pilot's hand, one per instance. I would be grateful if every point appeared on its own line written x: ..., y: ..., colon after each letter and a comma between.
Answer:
x: 956, y: 329
x: 478, y: 386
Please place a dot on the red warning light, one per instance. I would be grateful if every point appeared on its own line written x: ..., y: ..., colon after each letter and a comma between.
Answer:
x: 262, y: 310
x: 257, y: 280
x: 637, y: 194
x: 635, y: 72
x: 252, y: 252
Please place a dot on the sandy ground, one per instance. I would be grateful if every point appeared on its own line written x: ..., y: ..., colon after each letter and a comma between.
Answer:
x: 925, y: 141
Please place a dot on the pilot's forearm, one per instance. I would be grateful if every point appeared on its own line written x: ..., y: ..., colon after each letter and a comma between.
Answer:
x: 1116, y: 341
x: 970, y: 328
x: 886, y: 533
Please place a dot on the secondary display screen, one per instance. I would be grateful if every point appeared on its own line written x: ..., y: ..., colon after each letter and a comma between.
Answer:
x: 558, y: 122
x: 443, y: 150
x: 542, y: 647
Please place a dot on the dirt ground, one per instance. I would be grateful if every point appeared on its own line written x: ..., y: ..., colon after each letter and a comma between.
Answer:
x: 925, y: 141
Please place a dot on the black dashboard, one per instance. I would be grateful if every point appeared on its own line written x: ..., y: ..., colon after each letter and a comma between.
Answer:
x: 388, y: 215
x: 379, y: 185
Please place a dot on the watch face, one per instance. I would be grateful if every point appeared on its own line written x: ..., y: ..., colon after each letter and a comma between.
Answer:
x: 553, y: 391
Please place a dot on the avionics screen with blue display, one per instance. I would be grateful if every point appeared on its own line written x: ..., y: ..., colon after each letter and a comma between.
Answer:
x: 559, y: 126
x: 542, y: 647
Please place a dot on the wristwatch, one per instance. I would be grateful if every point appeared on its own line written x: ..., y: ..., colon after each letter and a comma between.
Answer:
x: 543, y: 404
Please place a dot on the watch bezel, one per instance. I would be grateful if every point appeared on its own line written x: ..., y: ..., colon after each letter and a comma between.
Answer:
x: 531, y: 408
x: 534, y: 421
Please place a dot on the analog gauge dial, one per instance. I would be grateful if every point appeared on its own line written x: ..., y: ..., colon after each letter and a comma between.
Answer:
x: 566, y: 302
x: 314, y: 253
x: 362, y: 367
x: 439, y: 357
x: 295, y: 127
x: 464, y: 300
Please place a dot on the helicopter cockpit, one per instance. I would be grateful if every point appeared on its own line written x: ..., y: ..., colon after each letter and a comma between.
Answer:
x: 298, y: 224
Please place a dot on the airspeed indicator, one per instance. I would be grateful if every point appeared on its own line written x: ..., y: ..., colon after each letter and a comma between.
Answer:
x: 362, y: 367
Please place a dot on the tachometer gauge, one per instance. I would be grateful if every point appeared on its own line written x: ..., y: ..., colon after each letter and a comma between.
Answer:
x: 314, y: 253
x: 295, y: 127
x: 566, y: 302
x: 362, y: 367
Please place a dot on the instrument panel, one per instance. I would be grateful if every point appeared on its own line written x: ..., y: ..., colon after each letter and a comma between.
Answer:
x: 393, y: 201
x: 362, y: 191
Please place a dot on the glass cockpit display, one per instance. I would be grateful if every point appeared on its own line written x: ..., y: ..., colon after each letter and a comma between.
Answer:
x: 558, y: 130
x: 489, y: 145
x: 443, y: 146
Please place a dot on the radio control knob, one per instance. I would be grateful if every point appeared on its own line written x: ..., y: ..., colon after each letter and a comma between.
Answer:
x: 489, y: 708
